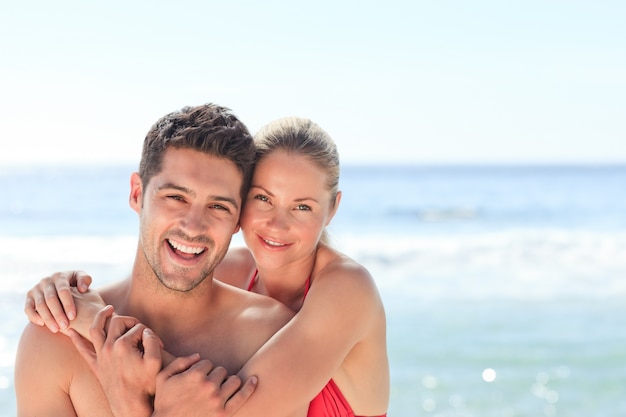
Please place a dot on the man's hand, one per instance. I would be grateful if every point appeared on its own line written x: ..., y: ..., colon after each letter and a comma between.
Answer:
x: 190, y: 387
x: 126, y: 358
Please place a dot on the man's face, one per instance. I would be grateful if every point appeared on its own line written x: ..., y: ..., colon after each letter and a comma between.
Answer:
x: 188, y: 214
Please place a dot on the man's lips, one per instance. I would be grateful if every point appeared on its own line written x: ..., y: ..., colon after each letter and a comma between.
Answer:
x: 185, y: 251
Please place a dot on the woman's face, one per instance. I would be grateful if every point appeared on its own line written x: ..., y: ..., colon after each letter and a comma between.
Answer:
x: 286, y: 210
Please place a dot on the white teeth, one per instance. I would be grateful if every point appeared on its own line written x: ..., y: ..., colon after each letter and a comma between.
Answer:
x: 272, y: 243
x: 185, y: 249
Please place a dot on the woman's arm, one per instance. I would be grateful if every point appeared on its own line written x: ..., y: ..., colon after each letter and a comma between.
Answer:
x: 302, y: 357
x: 298, y: 361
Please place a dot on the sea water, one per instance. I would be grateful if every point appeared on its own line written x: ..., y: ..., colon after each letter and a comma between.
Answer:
x: 504, y: 286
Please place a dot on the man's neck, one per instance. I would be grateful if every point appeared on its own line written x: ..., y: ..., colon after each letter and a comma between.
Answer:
x: 165, y: 311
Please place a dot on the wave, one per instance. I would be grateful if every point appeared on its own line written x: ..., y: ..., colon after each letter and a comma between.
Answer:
x: 435, y: 215
x: 25, y: 260
x: 519, y: 264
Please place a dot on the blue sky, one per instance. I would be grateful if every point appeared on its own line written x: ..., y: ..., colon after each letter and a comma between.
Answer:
x: 394, y: 81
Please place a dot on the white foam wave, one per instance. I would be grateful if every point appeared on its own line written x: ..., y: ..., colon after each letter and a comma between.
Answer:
x: 25, y: 260
x: 540, y: 264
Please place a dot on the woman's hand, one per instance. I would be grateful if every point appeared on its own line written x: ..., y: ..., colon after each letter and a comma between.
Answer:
x: 88, y: 305
x: 51, y: 303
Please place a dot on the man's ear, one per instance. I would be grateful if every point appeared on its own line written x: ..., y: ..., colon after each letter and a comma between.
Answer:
x: 136, y: 192
x: 333, y: 209
x: 237, y: 228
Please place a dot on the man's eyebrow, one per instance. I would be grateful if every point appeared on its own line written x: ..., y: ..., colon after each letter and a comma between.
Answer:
x: 226, y: 200
x: 172, y: 186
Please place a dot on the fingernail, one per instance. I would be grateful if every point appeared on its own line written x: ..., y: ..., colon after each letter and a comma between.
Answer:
x: 63, y: 324
x: 71, y: 315
x: 253, y: 380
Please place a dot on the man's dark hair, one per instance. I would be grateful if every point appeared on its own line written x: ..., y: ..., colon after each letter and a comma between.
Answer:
x: 207, y: 128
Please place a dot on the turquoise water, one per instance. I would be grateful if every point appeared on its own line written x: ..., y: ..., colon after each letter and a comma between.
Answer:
x: 548, y: 358
x: 504, y: 286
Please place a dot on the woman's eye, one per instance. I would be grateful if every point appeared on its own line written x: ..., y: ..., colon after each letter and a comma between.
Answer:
x: 261, y: 197
x: 303, y: 207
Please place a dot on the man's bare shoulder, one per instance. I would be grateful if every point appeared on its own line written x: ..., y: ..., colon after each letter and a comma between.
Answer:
x: 254, y: 316
x: 249, y: 318
x: 52, y: 379
x: 255, y: 308
x: 115, y: 292
x: 38, y: 344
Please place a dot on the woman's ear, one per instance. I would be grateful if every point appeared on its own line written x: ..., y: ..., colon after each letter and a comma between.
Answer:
x: 136, y: 192
x: 335, y: 206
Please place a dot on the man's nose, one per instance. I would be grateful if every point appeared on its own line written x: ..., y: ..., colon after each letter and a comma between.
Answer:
x: 195, y: 221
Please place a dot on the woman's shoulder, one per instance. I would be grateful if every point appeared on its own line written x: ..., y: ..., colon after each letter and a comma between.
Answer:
x: 236, y: 267
x: 333, y: 261
x: 343, y: 291
x: 343, y: 273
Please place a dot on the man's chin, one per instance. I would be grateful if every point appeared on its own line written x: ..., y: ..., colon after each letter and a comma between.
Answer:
x: 180, y: 284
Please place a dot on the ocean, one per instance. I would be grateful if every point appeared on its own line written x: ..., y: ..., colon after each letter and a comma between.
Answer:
x: 504, y: 286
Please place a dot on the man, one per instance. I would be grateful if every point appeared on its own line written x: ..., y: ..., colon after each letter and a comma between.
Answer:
x: 195, y: 169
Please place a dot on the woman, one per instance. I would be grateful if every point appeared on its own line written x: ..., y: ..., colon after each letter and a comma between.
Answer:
x: 338, y: 331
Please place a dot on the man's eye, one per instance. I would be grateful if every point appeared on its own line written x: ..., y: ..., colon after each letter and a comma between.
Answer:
x: 175, y: 197
x: 219, y: 207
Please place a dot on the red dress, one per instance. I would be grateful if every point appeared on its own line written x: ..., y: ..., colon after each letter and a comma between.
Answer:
x: 330, y: 402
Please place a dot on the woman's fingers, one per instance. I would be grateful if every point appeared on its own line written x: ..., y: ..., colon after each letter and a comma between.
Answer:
x: 81, y: 280
x: 51, y: 303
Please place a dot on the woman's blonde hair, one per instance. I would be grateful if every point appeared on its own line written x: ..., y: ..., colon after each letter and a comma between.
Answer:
x: 303, y: 137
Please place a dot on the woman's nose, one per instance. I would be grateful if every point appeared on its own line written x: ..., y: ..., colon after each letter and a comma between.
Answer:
x: 278, y: 220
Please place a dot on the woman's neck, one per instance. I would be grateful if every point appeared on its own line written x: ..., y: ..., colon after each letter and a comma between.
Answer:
x: 286, y: 284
